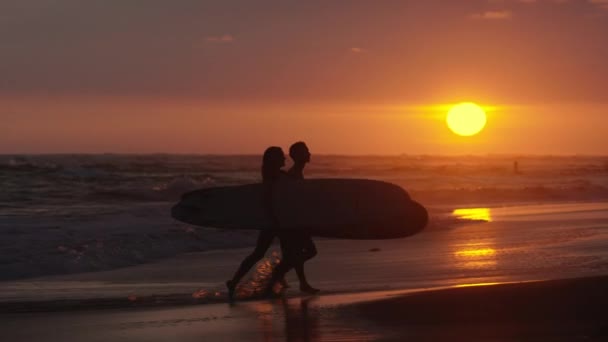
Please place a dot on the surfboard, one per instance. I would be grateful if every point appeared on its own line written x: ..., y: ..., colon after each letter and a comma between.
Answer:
x: 334, y: 208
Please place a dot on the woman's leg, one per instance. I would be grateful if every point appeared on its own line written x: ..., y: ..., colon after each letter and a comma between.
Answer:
x: 264, y: 241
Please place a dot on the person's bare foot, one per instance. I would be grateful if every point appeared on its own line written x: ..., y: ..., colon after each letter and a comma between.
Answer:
x: 269, y: 293
x: 308, y: 289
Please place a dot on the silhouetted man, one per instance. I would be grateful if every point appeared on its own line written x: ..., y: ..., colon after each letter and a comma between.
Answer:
x: 297, y: 246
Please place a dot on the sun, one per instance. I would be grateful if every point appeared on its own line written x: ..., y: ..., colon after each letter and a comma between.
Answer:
x: 466, y: 119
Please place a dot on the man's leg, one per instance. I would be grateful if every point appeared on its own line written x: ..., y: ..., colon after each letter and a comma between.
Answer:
x: 308, y: 251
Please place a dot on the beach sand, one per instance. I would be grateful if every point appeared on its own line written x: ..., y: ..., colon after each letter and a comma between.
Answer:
x: 491, y: 281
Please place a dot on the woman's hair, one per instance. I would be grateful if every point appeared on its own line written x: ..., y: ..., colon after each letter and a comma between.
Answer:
x: 272, y: 162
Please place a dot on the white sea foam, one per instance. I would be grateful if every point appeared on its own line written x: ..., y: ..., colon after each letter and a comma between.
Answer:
x: 31, y: 247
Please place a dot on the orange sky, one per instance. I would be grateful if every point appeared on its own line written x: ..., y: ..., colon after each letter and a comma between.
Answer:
x: 352, y: 77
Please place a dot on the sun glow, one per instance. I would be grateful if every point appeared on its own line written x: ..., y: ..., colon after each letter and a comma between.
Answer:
x: 466, y: 119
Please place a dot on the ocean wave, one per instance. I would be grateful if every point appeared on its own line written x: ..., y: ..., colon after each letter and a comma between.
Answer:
x: 583, y: 191
x: 332, y: 165
x: 575, y: 191
x: 26, y: 165
x: 105, y: 241
x: 430, y: 179
x: 168, y: 191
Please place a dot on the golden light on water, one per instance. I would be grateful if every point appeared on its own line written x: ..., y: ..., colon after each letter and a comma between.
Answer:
x: 476, y: 254
x: 466, y: 119
x: 473, y: 214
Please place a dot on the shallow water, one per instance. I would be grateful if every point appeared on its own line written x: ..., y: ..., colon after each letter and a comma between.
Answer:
x: 517, y: 244
x: 62, y: 214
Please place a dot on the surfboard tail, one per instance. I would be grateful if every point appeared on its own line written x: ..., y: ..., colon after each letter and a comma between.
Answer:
x: 184, y: 213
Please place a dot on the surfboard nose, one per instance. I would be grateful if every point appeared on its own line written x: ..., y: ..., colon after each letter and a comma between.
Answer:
x: 410, y: 221
x: 420, y: 215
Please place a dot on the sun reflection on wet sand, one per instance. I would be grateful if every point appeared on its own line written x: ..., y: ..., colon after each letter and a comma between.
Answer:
x: 479, y: 253
x: 475, y: 252
x: 264, y: 313
x: 473, y: 214
x: 476, y: 284
x: 475, y: 256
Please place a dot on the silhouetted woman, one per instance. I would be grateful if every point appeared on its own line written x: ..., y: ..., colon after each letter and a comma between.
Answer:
x: 272, y: 162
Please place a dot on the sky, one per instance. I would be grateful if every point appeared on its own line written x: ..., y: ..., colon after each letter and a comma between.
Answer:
x: 346, y: 76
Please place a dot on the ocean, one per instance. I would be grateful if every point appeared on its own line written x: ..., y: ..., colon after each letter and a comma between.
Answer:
x: 77, y: 213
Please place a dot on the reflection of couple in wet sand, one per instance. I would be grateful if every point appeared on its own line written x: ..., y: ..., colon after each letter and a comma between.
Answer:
x: 301, y: 320
x: 296, y: 246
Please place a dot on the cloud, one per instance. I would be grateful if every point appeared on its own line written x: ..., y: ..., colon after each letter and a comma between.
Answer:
x: 527, y: 1
x: 505, y: 1
x: 356, y: 50
x: 226, y: 38
x: 493, y: 15
x: 600, y: 3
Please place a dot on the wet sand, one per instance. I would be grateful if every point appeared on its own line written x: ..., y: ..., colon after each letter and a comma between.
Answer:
x: 561, y: 310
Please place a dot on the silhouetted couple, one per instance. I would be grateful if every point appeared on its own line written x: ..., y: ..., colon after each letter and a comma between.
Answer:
x: 296, y: 246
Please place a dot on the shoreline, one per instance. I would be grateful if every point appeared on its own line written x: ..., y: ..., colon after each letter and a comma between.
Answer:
x: 182, y: 300
x: 552, y: 310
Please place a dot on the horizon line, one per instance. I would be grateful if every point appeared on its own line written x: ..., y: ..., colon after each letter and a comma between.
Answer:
x: 510, y: 154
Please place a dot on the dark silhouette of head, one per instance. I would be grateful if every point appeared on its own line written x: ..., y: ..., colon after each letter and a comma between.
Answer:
x: 299, y: 153
x: 272, y: 162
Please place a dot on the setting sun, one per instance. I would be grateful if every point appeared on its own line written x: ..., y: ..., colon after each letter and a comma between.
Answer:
x: 466, y: 119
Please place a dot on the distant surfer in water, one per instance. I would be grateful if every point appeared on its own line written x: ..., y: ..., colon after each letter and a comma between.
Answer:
x: 272, y: 162
x: 297, y: 246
